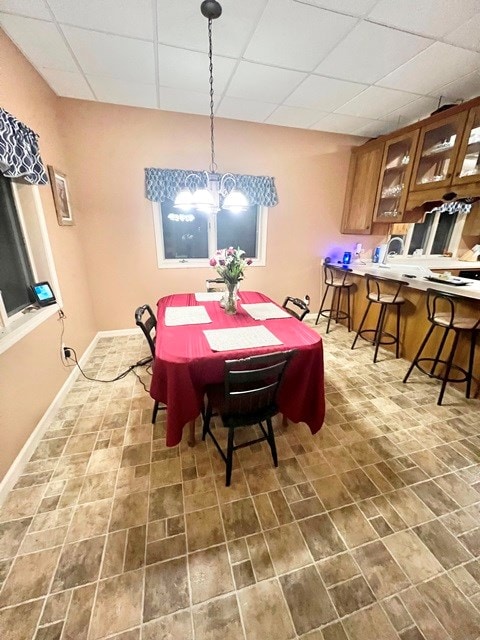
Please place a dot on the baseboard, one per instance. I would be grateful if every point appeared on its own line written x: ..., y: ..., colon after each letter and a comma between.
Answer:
x: 16, y: 469
x: 119, y: 332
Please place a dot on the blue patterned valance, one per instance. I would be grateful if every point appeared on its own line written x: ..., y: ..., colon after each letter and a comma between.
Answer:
x: 164, y: 184
x: 19, y: 153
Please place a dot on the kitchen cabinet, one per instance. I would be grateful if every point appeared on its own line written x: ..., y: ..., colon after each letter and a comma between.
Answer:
x: 467, y: 167
x: 395, y: 174
x: 472, y: 222
x: 362, y: 184
x: 437, y: 153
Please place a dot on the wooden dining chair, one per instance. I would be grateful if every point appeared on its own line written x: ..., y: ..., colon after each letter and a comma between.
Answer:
x: 247, y: 397
x: 145, y: 319
x: 302, y: 305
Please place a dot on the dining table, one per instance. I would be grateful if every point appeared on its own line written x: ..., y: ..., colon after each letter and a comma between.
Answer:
x: 185, y: 364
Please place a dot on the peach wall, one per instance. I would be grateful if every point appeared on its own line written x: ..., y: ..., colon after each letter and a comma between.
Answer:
x: 108, y: 148
x: 31, y: 372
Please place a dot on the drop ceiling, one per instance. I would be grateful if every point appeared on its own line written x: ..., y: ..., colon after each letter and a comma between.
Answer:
x: 363, y: 67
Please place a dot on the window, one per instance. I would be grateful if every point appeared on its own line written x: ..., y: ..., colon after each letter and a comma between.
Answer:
x: 439, y: 233
x: 25, y: 257
x: 15, y: 269
x: 190, y: 239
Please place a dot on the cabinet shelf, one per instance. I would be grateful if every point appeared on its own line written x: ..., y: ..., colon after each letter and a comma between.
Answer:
x: 435, y: 154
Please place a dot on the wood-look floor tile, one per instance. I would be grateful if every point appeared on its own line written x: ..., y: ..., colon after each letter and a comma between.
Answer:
x: 160, y: 598
x: 445, y: 547
x: 209, y: 573
x: 79, y: 563
x: 332, y: 492
x: 307, y: 599
x: 260, y: 557
x: 217, y: 619
x: 79, y: 613
x: 11, y: 536
x: 353, y: 526
x: 287, y: 548
x: 204, y: 528
x: 29, y: 577
x: 351, y: 595
x: 118, y: 604
x: 240, y: 518
x: 265, y: 613
x: 383, y: 574
x: 321, y: 536
x: 165, y: 502
x: 19, y: 622
x: 369, y: 623
x: 412, y: 555
x: 172, y: 627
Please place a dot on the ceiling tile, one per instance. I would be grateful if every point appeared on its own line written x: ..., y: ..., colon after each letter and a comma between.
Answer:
x: 244, y: 109
x: 184, y: 101
x: 123, y: 92
x: 376, y: 102
x: 40, y: 41
x: 467, y: 34
x: 374, y: 129
x: 127, y: 18
x: 420, y: 108
x: 432, y: 18
x: 326, y: 94
x: 462, y: 88
x: 431, y: 69
x: 29, y: 8
x: 352, y: 7
x: 181, y: 24
x: 294, y: 117
x: 295, y: 35
x: 357, y: 56
x: 259, y: 82
x: 339, y: 123
x: 182, y: 69
x: 69, y: 84
x: 109, y: 55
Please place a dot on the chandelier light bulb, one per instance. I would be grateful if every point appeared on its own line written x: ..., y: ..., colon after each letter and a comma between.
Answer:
x: 235, y: 201
x: 184, y: 200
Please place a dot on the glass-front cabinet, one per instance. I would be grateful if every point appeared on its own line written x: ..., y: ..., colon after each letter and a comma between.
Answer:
x: 395, y: 177
x: 438, y: 149
x: 468, y: 163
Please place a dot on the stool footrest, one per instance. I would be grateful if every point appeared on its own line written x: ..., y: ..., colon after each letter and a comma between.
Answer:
x: 437, y: 376
x: 372, y: 340
x: 332, y: 313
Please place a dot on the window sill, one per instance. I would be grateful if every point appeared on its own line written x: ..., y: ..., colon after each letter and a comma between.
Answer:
x: 22, y: 326
x: 190, y: 263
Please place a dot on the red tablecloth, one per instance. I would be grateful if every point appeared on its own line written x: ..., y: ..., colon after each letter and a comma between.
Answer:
x: 184, y: 363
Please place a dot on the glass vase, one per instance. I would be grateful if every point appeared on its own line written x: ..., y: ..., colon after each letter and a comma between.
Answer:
x: 231, y: 298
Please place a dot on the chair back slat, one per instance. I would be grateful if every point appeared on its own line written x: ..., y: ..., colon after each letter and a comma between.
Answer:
x: 251, y: 385
x: 145, y: 319
x: 300, y: 304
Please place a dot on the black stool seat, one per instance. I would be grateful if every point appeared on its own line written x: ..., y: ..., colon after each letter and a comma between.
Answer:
x: 386, y: 293
x: 443, y: 313
x: 336, y: 277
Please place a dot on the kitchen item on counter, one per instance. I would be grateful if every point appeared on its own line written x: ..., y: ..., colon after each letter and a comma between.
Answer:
x: 379, y: 253
x: 347, y: 257
x: 451, y: 280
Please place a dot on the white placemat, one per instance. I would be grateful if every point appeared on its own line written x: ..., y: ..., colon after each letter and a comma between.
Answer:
x: 265, y: 311
x: 240, y: 338
x: 176, y: 316
x: 208, y: 296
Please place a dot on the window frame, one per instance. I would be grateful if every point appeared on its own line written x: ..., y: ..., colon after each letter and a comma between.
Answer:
x: 453, y: 244
x: 32, y: 221
x: 186, y: 263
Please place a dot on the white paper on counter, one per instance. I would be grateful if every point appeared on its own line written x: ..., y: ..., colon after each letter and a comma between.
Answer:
x: 265, y: 311
x: 240, y: 338
x: 208, y: 296
x: 176, y: 316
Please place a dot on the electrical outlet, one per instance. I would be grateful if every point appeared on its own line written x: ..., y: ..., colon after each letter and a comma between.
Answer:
x: 66, y: 352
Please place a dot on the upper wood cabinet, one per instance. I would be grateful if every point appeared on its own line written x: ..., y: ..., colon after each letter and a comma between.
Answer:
x: 395, y: 174
x: 437, y: 153
x: 467, y: 167
x: 362, y: 187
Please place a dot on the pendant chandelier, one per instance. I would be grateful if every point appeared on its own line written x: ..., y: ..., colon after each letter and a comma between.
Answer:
x: 216, y: 191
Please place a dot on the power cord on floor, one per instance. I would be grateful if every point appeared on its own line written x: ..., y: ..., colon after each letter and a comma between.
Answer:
x: 141, y: 363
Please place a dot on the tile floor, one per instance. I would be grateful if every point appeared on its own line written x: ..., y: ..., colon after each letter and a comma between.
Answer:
x: 368, y: 530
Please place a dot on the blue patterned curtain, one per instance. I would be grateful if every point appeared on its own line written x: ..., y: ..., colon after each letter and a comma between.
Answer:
x: 164, y: 184
x: 19, y: 153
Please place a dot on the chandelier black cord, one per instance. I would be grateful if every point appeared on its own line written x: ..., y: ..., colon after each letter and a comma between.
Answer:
x: 213, y: 164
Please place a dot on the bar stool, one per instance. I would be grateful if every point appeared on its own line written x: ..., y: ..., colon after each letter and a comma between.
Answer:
x: 336, y: 277
x: 442, y: 312
x: 386, y: 293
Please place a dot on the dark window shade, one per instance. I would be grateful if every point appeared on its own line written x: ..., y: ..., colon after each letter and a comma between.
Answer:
x: 444, y: 232
x: 15, y: 270
x: 238, y: 230
x: 184, y: 240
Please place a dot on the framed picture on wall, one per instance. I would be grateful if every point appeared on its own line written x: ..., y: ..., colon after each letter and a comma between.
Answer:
x: 58, y: 182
